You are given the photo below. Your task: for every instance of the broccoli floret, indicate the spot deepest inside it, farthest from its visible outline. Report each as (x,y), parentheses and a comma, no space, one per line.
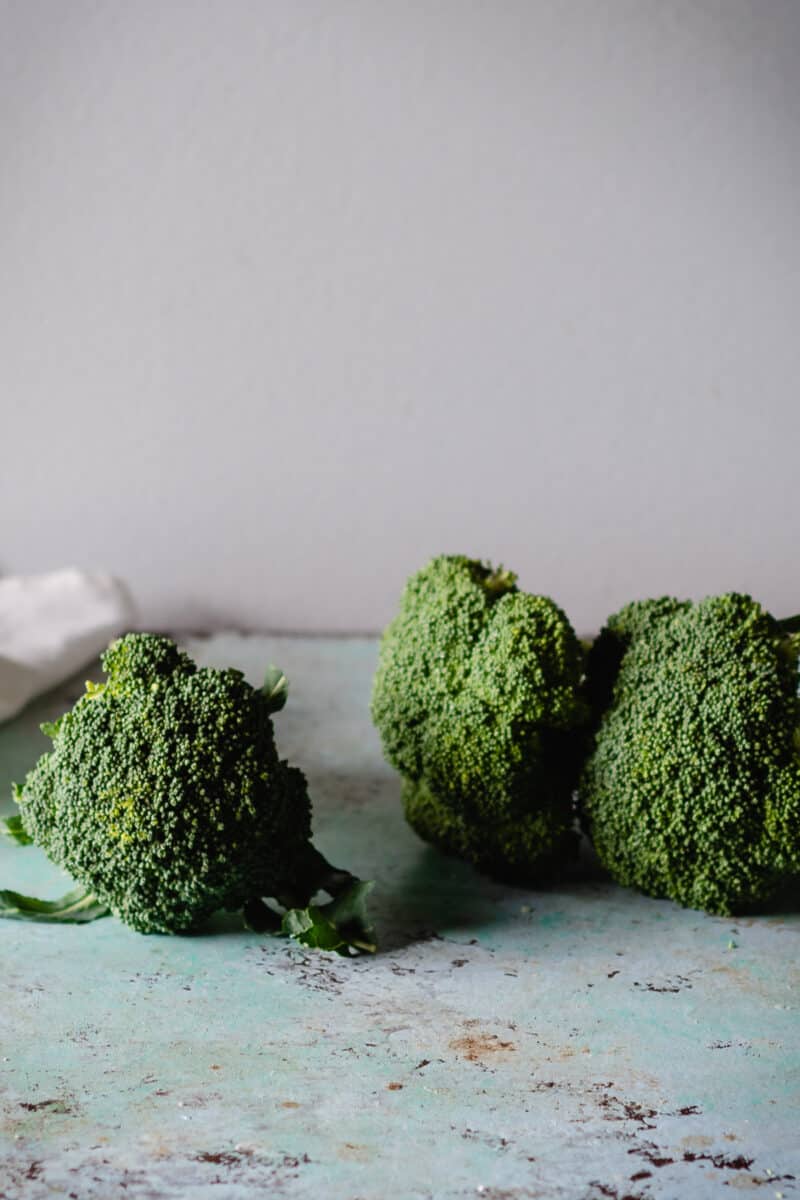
(165,798)
(692,788)
(476,698)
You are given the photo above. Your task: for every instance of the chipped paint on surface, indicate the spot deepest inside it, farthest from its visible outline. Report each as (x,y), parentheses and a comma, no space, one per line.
(580,1043)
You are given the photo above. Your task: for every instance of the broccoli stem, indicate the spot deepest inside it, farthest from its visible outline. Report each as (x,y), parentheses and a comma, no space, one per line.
(312,873)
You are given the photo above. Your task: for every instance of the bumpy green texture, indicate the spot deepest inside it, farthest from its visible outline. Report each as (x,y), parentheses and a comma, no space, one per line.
(476,698)
(164,794)
(692,789)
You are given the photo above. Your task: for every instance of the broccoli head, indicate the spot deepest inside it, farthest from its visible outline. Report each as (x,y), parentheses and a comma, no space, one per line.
(165,798)
(476,699)
(692,788)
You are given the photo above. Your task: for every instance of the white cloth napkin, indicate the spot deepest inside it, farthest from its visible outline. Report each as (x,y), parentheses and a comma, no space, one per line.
(53,624)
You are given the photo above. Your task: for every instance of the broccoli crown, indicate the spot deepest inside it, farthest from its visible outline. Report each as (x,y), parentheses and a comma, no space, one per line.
(692,789)
(164,793)
(476,698)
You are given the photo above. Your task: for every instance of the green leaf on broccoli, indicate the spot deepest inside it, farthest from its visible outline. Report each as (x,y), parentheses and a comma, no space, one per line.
(12,827)
(341,925)
(275,688)
(78,907)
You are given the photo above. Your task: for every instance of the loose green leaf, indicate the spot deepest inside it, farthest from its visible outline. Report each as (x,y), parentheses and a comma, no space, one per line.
(348,911)
(275,688)
(310,927)
(341,925)
(12,828)
(76,908)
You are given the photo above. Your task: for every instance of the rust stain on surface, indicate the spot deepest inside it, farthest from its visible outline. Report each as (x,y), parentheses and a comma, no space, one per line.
(355,1152)
(475,1047)
(697,1141)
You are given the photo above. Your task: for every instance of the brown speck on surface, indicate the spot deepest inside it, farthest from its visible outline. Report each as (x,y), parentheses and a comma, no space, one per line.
(611,974)
(354,1152)
(289,1104)
(740,1163)
(459,962)
(394,1087)
(615,1108)
(222,1159)
(42,1105)
(605,1189)
(215,1067)
(641,1175)
(475,1047)
(425,1062)
(651,1152)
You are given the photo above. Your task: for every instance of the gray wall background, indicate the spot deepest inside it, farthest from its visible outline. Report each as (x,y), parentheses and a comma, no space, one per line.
(294,294)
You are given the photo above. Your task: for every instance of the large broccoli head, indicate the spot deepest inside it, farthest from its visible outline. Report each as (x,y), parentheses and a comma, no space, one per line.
(164,795)
(693,787)
(476,700)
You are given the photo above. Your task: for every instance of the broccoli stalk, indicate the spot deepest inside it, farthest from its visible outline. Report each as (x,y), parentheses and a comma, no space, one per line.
(165,799)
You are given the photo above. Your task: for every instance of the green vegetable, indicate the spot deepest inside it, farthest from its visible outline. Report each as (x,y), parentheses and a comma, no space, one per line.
(476,699)
(692,787)
(165,798)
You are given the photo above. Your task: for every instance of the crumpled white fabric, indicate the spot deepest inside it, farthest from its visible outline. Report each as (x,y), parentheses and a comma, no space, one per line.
(53,624)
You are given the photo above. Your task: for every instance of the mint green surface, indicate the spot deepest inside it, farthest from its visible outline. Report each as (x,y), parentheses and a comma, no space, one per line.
(584,1042)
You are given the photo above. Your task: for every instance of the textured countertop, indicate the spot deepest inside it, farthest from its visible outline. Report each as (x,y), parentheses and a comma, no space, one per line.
(584,1042)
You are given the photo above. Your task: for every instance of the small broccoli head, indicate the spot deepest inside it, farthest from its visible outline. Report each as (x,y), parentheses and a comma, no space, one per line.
(692,789)
(164,794)
(476,698)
